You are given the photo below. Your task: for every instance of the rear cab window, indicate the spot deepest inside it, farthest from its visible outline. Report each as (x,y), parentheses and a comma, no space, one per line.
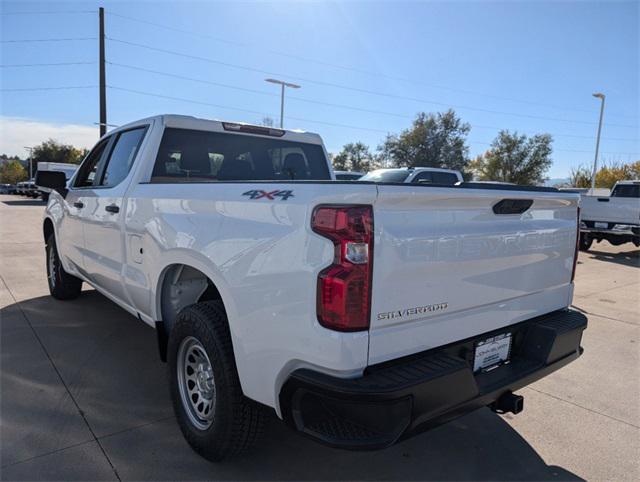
(626,190)
(187,155)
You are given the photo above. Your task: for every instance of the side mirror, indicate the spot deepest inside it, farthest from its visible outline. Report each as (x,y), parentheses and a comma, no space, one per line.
(54,180)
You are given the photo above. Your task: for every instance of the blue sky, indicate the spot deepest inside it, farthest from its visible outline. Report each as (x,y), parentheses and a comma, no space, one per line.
(525,66)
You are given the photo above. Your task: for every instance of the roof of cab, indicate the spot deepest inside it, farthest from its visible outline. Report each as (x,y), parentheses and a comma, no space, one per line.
(215,125)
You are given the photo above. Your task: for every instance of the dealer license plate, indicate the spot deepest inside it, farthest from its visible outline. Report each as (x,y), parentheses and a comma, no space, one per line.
(601,225)
(492,352)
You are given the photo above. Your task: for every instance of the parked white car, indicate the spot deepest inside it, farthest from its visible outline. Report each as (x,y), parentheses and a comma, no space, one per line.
(415,175)
(361,313)
(615,218)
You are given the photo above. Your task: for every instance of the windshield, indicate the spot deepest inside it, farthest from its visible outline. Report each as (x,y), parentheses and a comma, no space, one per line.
(386,175)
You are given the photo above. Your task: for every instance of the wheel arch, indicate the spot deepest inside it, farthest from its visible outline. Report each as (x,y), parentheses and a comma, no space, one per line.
(47,228)
(181,282)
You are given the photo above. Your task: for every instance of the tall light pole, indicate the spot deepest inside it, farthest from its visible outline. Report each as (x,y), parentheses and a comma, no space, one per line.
(282,84)
(595,161)
(30,149)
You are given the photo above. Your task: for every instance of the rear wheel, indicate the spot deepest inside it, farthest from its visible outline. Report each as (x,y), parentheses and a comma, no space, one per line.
(62,285)
(585,242)
(215,417)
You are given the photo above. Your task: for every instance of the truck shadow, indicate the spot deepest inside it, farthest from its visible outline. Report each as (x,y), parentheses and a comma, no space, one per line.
(626,258)
(108,360)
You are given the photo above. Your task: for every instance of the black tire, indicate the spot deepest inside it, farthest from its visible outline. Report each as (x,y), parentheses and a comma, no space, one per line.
(585,242)
(62,285)
(236,422)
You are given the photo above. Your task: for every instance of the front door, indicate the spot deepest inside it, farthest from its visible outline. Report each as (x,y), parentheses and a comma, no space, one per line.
(71,232)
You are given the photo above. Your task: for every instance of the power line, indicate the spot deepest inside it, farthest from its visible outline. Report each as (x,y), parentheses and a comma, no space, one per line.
(313,121)
(70,12)
(29,89)
(354,89)
(202,81)
(572,150)
(330,104)
(193,101)
(32,40)
(349,68)
(53,64)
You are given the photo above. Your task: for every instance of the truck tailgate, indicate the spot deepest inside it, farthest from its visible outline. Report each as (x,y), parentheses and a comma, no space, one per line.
(447,267)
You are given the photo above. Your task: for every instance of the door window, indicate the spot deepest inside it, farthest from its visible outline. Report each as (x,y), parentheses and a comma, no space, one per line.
(436,177)
(89,168)
(122,155)
(423,177)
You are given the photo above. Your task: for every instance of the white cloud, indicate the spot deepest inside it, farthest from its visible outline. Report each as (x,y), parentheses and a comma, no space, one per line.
(15,133)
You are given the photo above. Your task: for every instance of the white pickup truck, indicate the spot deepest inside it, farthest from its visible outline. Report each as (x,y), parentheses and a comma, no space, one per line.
(362,313)
(614,218)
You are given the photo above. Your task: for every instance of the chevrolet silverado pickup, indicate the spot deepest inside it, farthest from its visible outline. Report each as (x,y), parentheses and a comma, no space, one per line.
(614,218)
(362,313)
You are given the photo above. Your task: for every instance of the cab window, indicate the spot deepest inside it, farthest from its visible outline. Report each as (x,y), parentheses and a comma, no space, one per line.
(89,169)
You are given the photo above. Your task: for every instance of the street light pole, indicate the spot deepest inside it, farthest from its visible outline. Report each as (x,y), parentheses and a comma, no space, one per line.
(595,161)
(282,84)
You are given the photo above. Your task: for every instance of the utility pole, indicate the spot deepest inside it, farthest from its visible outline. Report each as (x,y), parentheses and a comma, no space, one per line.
(282,84)
(595,161)
(103,86)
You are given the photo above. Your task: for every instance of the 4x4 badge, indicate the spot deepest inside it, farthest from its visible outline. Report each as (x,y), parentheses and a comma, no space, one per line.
(271,196)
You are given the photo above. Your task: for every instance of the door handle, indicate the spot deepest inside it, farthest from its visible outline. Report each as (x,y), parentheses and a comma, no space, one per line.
(78,204)
(112,208)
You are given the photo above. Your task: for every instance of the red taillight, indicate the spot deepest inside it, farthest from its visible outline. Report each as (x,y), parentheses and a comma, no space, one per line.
(577,249)
(344,288)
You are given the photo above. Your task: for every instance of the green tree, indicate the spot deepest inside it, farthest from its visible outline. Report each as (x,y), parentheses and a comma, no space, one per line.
(580,177)
(606,176)
(53,151)
(433,140)
(12,172)
(515,158)
(354,157)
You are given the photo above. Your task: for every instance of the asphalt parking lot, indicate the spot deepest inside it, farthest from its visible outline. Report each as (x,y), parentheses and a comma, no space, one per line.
(83,395)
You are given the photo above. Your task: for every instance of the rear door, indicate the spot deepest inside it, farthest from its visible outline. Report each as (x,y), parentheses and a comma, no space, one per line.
(451,263)
(103,213)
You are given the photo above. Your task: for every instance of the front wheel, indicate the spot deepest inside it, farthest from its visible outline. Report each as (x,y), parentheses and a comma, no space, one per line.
(215,417)
(62,285)
(585,242)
